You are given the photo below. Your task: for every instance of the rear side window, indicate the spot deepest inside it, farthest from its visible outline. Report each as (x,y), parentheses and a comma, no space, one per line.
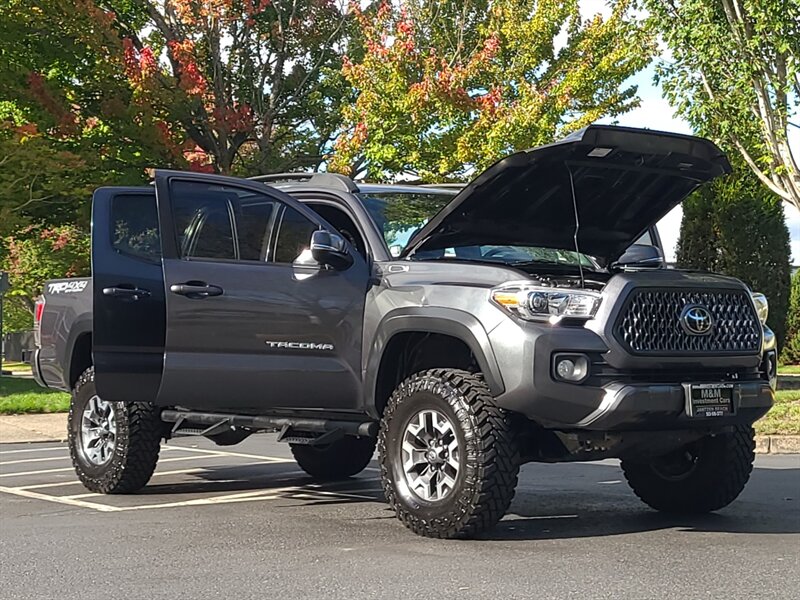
(294,236)
(134,228)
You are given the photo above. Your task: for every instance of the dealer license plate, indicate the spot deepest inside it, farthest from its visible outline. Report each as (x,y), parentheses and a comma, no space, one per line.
(709,399)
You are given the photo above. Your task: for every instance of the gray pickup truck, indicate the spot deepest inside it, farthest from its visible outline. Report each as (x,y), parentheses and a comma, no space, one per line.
(525,317)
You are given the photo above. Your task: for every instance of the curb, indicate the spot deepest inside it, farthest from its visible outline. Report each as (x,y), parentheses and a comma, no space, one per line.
(778,444)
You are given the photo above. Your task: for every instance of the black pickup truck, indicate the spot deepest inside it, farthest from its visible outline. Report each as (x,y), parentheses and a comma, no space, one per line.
(525,317)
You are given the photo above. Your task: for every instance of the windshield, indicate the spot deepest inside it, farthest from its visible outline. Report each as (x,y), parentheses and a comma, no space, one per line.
(401,214)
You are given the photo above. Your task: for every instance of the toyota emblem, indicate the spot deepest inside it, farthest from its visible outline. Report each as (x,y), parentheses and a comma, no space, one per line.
(696,320)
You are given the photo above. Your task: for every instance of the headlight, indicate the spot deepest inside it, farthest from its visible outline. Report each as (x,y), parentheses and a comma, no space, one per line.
(536,303)
(762,307)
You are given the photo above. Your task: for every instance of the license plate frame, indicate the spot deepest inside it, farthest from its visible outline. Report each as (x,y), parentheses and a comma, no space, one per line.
(710,400)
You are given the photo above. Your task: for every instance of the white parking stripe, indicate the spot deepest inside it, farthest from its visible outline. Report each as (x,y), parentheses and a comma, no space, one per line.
(57,499)
(226,453)
(39,486)
(30,460)
(51,448)
(67,469)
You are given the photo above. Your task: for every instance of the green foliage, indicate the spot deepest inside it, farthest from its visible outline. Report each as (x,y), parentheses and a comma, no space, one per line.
(38,253)
(734,74)
(791,349)
(41,180)
(447,87)
(736,227)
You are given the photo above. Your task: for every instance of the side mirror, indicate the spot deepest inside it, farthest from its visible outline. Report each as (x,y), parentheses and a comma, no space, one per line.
(643,256)
(330,249)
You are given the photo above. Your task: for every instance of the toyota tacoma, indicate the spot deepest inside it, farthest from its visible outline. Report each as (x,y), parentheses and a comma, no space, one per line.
(527,316)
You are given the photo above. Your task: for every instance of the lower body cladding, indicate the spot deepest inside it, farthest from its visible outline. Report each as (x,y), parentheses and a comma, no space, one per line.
(619,409)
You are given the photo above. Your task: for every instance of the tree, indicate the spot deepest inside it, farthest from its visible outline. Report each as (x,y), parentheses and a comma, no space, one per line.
(40,182)
(445,88)
(734,74)
(39,254)
(62,68)
(736,227)
(791,349)
(251,85)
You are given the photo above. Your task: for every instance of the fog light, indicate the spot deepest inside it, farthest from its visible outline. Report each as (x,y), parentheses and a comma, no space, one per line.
(571,367)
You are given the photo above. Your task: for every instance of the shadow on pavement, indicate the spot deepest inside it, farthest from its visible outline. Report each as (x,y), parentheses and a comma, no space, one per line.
(553,501)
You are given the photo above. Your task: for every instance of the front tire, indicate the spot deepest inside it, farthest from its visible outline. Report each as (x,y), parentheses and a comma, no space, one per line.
(448,456)
(343,458)
(114,445)
(702,477)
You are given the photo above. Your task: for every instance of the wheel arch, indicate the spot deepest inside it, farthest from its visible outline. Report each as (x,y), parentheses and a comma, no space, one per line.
(78,352)
(453,323)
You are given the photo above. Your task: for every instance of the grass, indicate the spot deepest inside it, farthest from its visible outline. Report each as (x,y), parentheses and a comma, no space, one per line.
(784,417)
(19,395)
(789,370)
(16,367)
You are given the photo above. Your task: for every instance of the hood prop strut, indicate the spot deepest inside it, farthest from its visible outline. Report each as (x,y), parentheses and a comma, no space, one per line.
(577,225)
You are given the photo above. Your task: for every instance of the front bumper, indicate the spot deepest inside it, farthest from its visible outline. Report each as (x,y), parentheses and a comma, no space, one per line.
(634,400)
(662,406)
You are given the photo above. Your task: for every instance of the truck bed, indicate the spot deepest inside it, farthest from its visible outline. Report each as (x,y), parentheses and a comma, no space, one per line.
(67,315)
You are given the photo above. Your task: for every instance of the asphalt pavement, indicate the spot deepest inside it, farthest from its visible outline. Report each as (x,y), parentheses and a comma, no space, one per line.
(243,522)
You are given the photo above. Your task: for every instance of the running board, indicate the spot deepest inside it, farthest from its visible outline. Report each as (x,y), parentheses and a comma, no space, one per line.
(302,438)
(212,421)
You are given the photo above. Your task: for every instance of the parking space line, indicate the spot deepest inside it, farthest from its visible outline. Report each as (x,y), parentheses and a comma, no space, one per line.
(67,469)
(59,500)
(30,460)
(50,448)
(39,486)
(227,453)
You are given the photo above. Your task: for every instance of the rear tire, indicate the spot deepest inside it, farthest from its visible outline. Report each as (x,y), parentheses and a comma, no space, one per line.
(114,445)
(702,477)
(449,458)
(343,458)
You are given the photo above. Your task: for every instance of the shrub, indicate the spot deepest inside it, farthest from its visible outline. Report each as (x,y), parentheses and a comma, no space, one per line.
(736,227)
(791,348)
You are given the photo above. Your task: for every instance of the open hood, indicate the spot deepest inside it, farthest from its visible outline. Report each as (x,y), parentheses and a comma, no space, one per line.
(624,180)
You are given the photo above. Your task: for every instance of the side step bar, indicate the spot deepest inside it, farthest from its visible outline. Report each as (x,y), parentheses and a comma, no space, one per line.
(359,428)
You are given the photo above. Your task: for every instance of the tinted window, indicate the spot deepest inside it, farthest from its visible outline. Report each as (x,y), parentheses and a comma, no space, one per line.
(221,222)
(294,235)
(253,225)
(135,226)
(212,233)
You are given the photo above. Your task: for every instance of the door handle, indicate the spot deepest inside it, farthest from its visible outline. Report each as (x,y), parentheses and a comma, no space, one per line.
(195,290)
(126,293)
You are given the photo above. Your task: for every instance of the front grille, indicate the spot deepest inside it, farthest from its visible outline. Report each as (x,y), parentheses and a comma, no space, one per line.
(649,322)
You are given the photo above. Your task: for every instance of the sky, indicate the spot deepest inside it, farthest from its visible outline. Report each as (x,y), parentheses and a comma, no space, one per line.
(656,113)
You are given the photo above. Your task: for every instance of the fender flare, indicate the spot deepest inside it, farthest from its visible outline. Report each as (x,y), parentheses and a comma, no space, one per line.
(447,321)
(80,327)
